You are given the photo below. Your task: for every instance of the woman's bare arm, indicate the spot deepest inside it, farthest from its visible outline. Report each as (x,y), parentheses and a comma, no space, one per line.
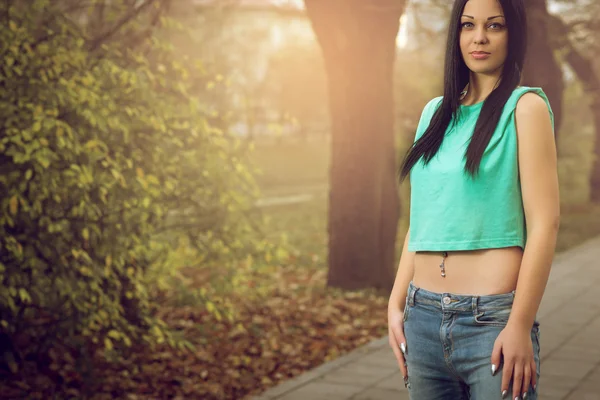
(539,186)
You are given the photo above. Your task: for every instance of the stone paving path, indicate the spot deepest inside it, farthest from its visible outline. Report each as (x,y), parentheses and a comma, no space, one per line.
(569,319)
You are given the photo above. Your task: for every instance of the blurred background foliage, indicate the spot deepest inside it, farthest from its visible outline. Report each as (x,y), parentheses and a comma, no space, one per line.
(157,155)
(110,162)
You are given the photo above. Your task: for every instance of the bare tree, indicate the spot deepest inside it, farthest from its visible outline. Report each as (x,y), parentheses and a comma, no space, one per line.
(358,41)
(541,66)
(577,34)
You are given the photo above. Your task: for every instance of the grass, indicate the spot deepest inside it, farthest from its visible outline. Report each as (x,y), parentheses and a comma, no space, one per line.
(291,164)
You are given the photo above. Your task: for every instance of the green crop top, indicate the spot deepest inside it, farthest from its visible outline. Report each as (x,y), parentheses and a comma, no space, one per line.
(451,211)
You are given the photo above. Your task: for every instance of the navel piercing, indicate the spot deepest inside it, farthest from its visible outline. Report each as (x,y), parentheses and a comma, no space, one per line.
(443,264)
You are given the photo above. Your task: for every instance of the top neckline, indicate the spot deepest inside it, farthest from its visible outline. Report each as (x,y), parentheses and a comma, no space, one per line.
(471,105)
(474,105)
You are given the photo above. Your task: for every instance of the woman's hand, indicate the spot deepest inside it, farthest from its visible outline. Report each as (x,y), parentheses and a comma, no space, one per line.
(396,337)
(514,345)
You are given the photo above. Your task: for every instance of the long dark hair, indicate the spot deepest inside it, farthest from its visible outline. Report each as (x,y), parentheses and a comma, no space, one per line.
(456,77)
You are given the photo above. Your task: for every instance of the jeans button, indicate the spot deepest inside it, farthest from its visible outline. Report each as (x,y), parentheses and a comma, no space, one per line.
(446,300)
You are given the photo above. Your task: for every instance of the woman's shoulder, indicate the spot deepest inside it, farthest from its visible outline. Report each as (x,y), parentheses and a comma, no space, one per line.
(434,102)
(526,96)
(527,100)
(520,91)
(432,105)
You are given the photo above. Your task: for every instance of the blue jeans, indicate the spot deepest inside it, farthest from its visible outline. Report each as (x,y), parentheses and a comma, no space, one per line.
(449,340)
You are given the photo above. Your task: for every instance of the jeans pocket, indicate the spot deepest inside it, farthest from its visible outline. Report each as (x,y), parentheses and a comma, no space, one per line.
(493,317)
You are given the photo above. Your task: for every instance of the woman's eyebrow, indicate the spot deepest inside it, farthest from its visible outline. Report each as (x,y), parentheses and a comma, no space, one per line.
(495,16)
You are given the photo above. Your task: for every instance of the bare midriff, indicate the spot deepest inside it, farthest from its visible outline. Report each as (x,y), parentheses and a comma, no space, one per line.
(473,272)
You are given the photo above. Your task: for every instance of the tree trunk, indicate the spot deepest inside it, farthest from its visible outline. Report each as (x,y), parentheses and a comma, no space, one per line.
(358,41)
(584,70)
(541,68)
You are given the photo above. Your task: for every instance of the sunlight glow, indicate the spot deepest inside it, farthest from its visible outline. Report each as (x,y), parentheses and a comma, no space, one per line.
(402,38)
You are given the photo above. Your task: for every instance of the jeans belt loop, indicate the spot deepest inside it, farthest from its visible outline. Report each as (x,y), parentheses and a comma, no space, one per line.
(474,304)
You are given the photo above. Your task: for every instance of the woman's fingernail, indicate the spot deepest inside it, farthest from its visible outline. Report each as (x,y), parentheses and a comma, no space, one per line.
(517,398)
(493,369)
(403,347)
(524,395)
(504,393)
(535,387)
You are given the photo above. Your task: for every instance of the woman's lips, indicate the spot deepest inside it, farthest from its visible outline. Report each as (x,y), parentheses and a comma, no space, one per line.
(480,55)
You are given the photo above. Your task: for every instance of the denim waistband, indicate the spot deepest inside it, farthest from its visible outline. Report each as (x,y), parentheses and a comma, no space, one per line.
(458,302)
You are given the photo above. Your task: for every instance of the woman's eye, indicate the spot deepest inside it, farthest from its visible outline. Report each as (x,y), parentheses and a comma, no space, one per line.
(496,25)
(466,25)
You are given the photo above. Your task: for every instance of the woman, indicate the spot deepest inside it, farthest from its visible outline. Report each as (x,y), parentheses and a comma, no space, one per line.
(483,222)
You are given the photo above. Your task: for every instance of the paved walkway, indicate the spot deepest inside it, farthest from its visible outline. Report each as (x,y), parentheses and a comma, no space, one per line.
(569,334)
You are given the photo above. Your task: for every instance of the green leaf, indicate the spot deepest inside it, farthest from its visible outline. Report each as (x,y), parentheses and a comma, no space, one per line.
(24,295)
(114,334)
(14,205)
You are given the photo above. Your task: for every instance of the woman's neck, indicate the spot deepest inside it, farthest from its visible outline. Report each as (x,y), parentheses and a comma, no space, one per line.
(480,87)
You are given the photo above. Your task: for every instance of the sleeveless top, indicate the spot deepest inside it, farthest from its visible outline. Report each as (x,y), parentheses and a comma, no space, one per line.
(450,210)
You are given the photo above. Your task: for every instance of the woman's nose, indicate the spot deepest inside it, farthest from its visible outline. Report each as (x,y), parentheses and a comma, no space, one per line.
(480,36)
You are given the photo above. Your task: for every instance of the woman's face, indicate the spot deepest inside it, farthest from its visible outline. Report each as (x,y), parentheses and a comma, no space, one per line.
(483,36)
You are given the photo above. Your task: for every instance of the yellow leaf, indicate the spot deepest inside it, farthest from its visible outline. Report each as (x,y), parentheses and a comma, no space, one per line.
(108,260)
(14,205)
(114,334)
(103,315)
(139,172)
(85,233)
(24,295)
(210,307)
(108,344)
(12,26)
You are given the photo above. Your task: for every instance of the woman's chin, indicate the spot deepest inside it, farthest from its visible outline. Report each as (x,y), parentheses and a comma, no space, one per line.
(484,69)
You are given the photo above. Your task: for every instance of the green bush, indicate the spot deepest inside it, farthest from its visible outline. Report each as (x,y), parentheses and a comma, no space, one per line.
(107,159)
